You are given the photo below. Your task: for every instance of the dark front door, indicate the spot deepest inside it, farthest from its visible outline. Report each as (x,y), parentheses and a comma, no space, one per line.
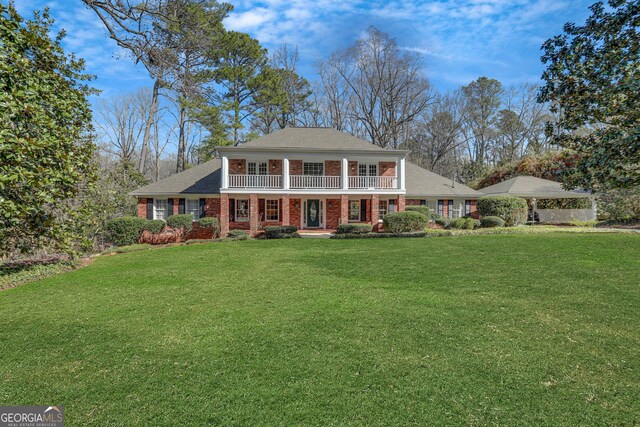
(313,213)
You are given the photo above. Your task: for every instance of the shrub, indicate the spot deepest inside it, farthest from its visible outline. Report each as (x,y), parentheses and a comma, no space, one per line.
(579,223)
(154,226)
(458,223)
(404,222)
(237,235)
(211,223)
(354,228)
(491,221)
(476,223)
(125,230)
(513,210)
(281,232)
(620,205)
(442,221)
(182,222)
(469,224)
(377,235)
(424,210)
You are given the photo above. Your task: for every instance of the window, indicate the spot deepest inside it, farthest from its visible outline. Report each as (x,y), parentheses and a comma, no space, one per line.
(392,206)
(365,169)
(257,168)
(313,168)
(160,209)
(242,210)
(354,210)
(193,208)
(272,210)
(382,208)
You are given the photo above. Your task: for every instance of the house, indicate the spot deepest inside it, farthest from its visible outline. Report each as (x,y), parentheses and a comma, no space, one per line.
(313,178)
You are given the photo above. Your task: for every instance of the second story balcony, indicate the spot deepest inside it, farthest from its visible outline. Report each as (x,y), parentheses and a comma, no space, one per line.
(299,182)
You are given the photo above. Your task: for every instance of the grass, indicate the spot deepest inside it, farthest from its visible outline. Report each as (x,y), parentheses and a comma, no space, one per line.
(471,330)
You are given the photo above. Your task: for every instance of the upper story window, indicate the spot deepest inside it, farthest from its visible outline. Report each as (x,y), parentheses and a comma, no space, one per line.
(256,168)
(160,209)
(193,208)
(313,168)
(367,169)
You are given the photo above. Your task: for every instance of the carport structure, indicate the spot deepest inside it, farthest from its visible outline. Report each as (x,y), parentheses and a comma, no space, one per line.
(534,189)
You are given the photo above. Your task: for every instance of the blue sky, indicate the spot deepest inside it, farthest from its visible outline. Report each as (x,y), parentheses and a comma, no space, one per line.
(459,40)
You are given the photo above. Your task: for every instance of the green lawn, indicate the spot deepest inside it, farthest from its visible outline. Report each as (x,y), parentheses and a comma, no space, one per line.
(469,330)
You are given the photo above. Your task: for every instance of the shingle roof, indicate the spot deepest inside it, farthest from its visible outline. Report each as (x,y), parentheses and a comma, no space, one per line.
(201,179)
(530,186)
(308,138)
(423,183)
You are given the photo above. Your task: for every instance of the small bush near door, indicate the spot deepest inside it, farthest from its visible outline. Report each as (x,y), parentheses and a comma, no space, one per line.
(404,222)
(512,209)
(212,224)
(491,222)
(126,230)
(424,210)
(154,226)
(182,222)
(354,228)
(237,235)
(281,232)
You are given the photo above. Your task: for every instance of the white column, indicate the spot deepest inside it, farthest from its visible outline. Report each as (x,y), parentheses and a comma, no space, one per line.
(344,172)
(285,173)
(401,175)
(225,172)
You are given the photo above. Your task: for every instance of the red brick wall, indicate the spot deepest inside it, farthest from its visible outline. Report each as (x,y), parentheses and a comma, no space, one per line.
(375,199)
(445,208)
(295,167)
(224,214)
(332,167)
(142,207)
(295,206)
(237,166)
(333,213)
(275,167)
(353,168)
(212,207)
(413,202)
(344,209)
(387,168)
(401,203)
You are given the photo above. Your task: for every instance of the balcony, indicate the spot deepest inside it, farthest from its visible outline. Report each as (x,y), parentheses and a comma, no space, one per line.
(314,181)
(373,182)
(255,181)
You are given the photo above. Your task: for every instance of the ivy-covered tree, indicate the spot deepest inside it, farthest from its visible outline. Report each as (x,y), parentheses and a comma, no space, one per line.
(46,149)
(593,81)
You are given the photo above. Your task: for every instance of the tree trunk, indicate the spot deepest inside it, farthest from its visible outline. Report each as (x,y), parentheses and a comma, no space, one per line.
(150,121)
(181,139)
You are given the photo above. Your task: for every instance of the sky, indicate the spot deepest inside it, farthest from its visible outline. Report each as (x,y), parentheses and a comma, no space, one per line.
(458,40)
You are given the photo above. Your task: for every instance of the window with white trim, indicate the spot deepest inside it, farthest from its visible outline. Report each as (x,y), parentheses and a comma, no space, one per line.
(242,210)
(256,168)
(354,210)
(272,210)
(367,169)
(160,209)
(192,207)
(309,168)
(383,207)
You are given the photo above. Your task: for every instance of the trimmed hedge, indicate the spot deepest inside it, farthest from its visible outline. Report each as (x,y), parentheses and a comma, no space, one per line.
(513,210)
(354,228)
(281,232)
(237,235)
(424,210)
(443,222)
(377,235)
(458,223)
(211,223)
(476,223)
(154,226)
(491,222)
(182,222)
(404,222)
(126,230)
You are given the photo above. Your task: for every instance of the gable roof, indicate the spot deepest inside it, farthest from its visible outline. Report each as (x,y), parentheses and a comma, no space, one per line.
(421,183)
(309,138)
(530,186)
(201,179)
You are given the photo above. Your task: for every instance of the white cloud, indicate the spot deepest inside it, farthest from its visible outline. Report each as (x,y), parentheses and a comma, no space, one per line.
(249,20)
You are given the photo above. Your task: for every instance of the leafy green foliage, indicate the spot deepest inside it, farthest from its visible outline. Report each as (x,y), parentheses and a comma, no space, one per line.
(620,205)
(211,223)
(45,138)
(512,209)
(281,232)
(458,223)
(237,235)
(424,210)
(593,79)
(126,230)
(442,221)
(154,226)
(404,222)
(183,222)
(491,222)
(354,228)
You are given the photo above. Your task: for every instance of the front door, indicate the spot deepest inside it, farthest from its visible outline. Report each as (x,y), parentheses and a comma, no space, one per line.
(313,213)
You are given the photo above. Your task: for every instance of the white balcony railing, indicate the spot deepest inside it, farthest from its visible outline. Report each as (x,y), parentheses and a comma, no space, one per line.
(378,182)
(255,181)
(314,181)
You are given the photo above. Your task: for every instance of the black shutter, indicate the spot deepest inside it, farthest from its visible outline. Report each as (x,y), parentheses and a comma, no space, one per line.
(467,207)
(203,212)
(450,210)
(261,210)
(391,206)
(423,202)
(149,208)
(441,207)
(181,207)
(232,210)
(280,209)
(363,210)
(169,207)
